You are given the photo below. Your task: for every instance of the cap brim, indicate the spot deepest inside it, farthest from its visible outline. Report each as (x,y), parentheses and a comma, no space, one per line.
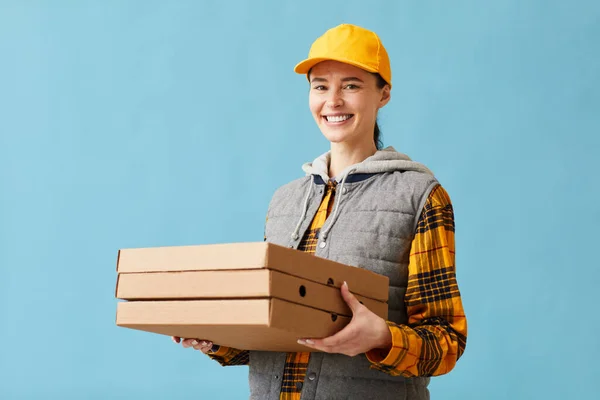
(306,65)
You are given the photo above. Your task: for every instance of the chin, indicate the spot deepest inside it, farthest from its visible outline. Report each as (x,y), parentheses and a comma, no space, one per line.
(335,137)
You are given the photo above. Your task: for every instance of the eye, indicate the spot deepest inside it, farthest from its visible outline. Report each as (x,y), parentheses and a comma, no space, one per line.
(351,86)
(319,87)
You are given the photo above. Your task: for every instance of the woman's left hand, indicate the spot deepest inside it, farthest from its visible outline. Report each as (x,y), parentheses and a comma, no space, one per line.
(365,331)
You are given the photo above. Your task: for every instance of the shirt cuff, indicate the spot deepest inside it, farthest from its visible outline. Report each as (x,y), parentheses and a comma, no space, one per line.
(388,357)
(217,350)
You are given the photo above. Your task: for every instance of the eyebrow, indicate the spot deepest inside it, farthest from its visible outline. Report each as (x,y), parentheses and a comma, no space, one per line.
(351,78)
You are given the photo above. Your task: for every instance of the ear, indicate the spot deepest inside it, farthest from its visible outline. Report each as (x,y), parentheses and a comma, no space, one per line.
(386,95)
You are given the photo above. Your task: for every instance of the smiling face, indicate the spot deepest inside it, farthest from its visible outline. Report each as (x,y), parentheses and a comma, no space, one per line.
(344,101)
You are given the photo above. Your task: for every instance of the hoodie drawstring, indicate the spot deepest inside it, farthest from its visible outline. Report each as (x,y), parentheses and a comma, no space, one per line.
(325,231)
(305,208)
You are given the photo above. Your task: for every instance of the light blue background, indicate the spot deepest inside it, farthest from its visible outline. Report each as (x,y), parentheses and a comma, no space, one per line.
(147,123)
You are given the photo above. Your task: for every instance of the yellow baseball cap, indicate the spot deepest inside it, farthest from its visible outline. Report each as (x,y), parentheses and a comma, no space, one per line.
(352,45)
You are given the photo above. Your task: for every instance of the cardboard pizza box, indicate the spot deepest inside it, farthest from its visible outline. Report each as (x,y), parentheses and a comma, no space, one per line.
(238,284)
(247,256)
(255,324)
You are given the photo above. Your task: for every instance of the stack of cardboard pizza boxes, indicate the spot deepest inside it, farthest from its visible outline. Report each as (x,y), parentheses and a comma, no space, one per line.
(253,296)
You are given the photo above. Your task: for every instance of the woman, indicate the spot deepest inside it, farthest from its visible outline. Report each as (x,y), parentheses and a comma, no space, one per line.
(372,208)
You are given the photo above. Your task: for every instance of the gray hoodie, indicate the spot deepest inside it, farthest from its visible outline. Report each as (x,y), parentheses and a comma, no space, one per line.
(385,160)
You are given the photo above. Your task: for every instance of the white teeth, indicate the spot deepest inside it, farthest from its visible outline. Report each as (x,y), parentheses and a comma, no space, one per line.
(337,118)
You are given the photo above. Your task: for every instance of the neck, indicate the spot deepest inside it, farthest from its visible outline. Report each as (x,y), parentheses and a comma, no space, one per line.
(343,155)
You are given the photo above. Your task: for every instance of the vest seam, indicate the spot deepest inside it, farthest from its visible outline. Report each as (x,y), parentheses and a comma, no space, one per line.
(422,202)
(381,234)
(377,259)
(378,211)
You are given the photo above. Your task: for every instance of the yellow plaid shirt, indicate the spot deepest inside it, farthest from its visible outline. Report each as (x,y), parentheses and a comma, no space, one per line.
(436,334)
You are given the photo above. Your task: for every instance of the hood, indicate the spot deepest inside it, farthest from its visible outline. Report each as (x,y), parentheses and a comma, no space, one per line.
(386,160)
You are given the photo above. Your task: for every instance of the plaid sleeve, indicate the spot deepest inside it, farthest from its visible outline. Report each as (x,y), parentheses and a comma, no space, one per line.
(436,334)
(228,356)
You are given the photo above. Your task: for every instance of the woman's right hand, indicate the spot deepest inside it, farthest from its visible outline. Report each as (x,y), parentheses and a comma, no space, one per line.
(197,344)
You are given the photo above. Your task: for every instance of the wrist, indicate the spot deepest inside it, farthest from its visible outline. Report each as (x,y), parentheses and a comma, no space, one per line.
(385,340)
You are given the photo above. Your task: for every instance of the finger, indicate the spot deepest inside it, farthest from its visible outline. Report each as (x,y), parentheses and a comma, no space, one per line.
(339,339)
(350,299)
(204,349)
(202,344)
(308,343)
(332,341)
(318,345)
(176,339)
(190,342)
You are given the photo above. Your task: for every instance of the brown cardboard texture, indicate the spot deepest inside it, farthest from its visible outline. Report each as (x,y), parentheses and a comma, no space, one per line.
(257,324)
(236,284)
(260,255)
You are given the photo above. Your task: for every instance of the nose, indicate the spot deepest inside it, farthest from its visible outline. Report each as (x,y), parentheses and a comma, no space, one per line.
(335,99)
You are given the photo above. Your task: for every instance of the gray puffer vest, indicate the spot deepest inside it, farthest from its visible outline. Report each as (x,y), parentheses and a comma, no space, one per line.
(376,209)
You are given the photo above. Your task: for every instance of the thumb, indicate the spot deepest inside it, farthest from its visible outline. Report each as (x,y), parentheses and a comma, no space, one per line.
(350,299)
